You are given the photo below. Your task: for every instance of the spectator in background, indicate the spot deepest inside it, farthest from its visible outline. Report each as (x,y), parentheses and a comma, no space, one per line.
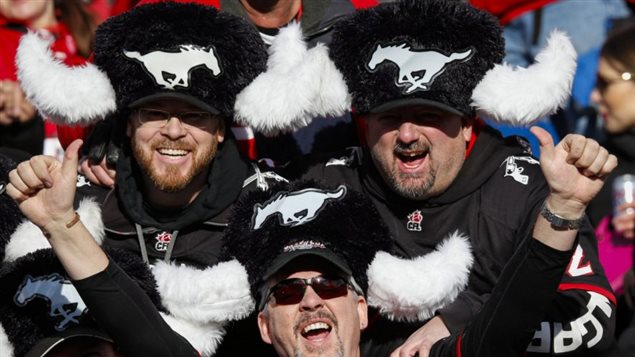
(527,23)
(71,27)
(615,97)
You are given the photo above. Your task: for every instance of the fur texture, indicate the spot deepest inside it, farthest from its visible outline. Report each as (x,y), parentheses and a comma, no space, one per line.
(205,338)
(26,325)
(6,349)
(28,238)
(352,216)
(522,96)
(221,292)
(11,215)
(166,26)
(299,84)
(441,26)
(67,95)
(413,289)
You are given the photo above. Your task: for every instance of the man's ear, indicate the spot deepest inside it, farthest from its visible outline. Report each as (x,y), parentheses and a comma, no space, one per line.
(129,128)
(467,126)
(362,310)
(263,326)
(220,133)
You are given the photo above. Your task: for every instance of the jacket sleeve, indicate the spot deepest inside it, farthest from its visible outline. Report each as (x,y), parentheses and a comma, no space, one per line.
(128,316)
(504,326)
(581,320)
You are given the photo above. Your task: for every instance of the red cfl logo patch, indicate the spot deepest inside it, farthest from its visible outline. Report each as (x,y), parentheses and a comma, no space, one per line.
(163,240)
(414,221)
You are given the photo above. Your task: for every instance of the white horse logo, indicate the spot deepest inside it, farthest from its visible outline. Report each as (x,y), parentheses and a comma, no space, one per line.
(295,208)
(411,63)
(63,299)
(171,69)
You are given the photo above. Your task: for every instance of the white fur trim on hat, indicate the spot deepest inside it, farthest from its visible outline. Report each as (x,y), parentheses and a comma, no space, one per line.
(28,238)
(521,96)
(414,289)
(299,85)
(6,348)
(216,294)
(205,338)
(67,95)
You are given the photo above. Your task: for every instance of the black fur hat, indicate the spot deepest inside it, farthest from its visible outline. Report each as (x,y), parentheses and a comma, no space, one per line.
(188,51)
(11,215)
(179,49)
(39,307)
(431,52)
(269,229)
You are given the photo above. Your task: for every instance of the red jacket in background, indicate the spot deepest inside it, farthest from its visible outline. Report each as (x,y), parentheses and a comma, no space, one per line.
(507,10)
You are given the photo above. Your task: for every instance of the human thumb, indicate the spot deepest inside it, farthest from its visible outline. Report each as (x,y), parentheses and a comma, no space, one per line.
(71,157)
(545,140)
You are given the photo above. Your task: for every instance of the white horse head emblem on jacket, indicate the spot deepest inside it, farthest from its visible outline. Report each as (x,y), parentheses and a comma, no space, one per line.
(417,69)
(171,69)
(295,208)
(64,300)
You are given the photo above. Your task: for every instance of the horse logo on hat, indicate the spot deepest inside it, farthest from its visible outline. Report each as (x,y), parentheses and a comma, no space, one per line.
(412,63)
(63,298)
(171,69)
(295,208)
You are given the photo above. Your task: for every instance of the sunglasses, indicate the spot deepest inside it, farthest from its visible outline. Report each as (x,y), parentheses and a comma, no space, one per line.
(291,291)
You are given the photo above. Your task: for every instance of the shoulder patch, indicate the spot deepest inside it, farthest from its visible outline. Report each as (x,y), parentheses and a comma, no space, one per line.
(354,154)
(516,172)
(82,181)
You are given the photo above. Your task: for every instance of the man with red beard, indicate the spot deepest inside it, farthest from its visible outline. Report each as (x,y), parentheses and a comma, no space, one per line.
(168,74)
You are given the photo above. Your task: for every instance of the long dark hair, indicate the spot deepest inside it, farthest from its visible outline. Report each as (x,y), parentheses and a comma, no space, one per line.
(619,47)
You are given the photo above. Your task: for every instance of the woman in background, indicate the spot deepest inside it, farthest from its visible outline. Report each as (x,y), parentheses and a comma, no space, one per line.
(615,97)
(22,131)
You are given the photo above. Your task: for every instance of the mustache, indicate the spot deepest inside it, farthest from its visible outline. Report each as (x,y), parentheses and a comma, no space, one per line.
(401,147)
(170,144)
(321,315)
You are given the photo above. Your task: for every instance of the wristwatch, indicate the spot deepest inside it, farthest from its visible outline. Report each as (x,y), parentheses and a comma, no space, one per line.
(560,223)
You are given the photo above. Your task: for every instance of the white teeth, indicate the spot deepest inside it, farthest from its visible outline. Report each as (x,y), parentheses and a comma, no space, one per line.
(172,152)
(316,326)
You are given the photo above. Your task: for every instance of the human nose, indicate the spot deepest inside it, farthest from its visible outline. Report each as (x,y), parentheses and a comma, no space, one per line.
(407,132)
(173,128)
(311,300)
(596,96)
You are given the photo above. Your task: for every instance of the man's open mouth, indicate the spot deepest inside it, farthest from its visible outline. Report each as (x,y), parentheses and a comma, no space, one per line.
(317,330)
(172,152)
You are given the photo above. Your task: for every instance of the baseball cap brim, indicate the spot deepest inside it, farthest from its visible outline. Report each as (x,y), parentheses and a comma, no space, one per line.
(326,254)
(407,102)
(175,95)
(45,345)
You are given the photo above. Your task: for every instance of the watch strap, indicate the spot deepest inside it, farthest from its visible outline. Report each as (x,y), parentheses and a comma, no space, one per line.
(558,222)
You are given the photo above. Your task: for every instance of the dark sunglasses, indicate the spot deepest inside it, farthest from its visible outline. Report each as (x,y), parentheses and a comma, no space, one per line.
(291,291)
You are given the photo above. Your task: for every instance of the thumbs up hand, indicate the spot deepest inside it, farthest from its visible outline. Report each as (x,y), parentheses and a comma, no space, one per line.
(575,170)
(44,188)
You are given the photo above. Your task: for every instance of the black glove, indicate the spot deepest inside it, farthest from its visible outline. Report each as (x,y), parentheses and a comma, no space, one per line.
(105,141)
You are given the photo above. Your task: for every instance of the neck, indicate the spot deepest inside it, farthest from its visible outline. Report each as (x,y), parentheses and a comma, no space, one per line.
(46,19)
(271,13)
(174,200)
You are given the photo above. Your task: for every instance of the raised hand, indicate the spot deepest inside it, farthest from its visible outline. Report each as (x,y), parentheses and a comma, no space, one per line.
(14,107)
(44,188)
(575,171)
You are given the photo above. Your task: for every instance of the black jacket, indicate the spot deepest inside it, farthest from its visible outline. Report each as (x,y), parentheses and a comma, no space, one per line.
(495,200)
(196,230)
